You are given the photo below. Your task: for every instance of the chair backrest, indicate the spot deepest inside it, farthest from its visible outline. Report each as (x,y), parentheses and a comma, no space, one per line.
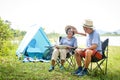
(60,38)
(105,46)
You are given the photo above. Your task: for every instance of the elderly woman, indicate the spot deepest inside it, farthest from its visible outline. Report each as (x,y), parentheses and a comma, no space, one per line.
(69,41)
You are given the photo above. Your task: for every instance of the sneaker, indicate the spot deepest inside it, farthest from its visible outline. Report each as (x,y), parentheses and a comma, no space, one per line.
(82,73)
(62,68)
(77,71)
(51,68)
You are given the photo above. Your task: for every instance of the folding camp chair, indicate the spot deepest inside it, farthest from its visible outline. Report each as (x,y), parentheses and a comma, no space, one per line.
(104,58)
(70,61)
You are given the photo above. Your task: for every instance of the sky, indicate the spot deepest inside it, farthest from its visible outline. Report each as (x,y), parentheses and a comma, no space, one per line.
(54,15)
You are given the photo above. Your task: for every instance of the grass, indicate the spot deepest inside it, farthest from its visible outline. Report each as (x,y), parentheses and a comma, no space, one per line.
(13,69)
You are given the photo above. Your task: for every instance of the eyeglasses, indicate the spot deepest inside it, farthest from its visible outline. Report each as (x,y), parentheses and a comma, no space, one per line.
(70,31)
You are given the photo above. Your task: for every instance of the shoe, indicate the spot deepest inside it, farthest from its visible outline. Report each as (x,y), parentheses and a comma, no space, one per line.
(62,68)
(77,71)
(51,68)
(82,73)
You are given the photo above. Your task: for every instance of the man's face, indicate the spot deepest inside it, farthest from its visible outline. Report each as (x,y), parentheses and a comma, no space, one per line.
(87,30)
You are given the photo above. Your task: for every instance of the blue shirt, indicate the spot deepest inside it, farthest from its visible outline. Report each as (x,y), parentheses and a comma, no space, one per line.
(70,42)
(94,38)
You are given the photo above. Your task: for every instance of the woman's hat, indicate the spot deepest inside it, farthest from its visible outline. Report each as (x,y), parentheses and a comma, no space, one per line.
(88,23)
(70,27)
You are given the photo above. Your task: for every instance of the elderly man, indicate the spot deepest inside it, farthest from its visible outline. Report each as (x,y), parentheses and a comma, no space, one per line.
(93,48)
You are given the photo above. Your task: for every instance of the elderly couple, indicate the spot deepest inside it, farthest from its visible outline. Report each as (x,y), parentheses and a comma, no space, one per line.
(93,46)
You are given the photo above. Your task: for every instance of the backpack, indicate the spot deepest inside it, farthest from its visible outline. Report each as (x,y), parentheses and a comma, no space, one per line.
(47,54)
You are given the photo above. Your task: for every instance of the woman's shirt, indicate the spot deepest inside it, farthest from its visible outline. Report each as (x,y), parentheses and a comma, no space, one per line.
(70,42)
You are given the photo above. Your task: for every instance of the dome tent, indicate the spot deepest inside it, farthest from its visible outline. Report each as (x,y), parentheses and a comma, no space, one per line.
(33,44)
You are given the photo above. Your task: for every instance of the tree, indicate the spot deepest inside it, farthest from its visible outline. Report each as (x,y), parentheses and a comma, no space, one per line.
(5,34)
(5,30)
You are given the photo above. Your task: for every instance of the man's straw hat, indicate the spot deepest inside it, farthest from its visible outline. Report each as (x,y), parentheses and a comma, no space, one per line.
(88,23)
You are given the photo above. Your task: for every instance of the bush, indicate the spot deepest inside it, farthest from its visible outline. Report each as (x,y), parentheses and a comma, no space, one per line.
(7,48)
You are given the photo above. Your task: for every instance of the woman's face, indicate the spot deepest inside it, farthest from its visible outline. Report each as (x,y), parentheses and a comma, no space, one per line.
(70,33)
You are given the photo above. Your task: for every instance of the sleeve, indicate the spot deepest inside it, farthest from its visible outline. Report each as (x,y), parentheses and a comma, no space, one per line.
(75,42)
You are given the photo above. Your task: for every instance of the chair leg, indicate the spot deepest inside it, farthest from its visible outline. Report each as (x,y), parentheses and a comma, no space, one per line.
(71,63)
(58,62)
(91,66)
(106,66)
(99,66)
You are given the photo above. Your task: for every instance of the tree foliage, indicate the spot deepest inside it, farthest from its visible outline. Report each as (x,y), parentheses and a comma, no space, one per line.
(5,30)
(6,35)
(18,34)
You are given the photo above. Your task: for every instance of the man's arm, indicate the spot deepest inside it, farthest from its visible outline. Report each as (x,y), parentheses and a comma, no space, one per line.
(93,46)
(81,33)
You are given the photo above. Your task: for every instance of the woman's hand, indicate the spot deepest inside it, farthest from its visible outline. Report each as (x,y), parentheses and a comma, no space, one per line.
(56,47)
(69,47)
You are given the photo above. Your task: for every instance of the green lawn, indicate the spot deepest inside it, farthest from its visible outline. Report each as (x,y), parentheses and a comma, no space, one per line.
(13,69)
